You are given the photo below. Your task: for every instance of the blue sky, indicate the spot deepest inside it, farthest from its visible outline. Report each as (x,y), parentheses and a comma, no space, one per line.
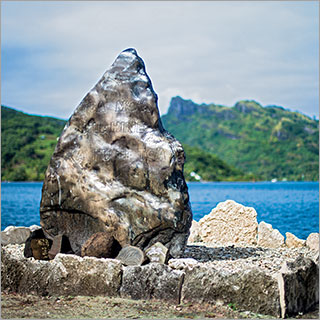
(54,52)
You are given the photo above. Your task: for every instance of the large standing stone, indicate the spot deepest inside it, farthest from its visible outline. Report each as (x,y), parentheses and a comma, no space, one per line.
(229,223)
(116,169)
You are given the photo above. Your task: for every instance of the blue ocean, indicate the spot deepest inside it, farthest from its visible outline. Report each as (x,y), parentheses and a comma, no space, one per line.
(288,206)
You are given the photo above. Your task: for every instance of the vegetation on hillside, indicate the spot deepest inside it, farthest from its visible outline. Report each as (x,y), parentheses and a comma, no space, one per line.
(268,142)
(245,142)
(27,144)
(210,168)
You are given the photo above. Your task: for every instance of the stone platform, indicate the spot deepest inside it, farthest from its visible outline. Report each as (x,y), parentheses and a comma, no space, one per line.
(277,282)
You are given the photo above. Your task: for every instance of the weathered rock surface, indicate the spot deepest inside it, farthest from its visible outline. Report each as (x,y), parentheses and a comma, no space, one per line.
(250,277)
(183,263)
(269,237)
(229,223)
(99,245)
(294,242)
(152,281)
(312,241)
(66,274)
(298,286)
(206,283)
(40,249)
(115,169)
(12,235)
(279,282)
(194,232)
(88,275)
(157,253)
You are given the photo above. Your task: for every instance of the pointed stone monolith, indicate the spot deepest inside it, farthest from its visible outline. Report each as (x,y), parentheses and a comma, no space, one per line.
(115,169)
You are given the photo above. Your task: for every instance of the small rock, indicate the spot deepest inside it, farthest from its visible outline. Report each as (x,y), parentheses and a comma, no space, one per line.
(182,264)
(131,256)
(312,241)
(36,234)
(14,235)
(40,249)
(34,227)
(294,242)
(98,245)
(269,237)
(157,253)
(194,232)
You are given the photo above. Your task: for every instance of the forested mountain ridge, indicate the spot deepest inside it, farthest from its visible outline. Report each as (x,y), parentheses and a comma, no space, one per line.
(28,142)
(269,142)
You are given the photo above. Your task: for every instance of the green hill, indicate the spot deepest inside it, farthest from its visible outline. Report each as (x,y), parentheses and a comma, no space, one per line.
(28,142)
(269,142)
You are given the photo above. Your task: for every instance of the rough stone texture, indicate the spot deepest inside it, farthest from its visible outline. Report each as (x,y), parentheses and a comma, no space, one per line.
(157,253)
(229,223)
(14,235)
(251,278)
(116,169)
(24,275)
(40,249)
(298,286)
(98,245)
(294,242)
(312,241)
(183,263)
(279,282)
(152,281)
(65,275)
(37,234)
(194,232)
(90,276)
(269,237)
(252,289)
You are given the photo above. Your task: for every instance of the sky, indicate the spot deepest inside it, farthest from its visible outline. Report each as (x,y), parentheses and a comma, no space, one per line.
(53,53)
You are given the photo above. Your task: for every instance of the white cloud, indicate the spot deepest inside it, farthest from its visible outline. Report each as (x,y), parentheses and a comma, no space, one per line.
(206,51)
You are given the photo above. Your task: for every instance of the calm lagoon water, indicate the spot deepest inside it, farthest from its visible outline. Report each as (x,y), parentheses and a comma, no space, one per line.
(288,206)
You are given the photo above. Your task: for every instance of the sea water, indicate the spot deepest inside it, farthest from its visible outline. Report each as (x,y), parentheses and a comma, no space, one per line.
(288,206)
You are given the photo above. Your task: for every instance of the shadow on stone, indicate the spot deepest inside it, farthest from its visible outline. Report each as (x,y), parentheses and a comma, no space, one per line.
(205,254)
